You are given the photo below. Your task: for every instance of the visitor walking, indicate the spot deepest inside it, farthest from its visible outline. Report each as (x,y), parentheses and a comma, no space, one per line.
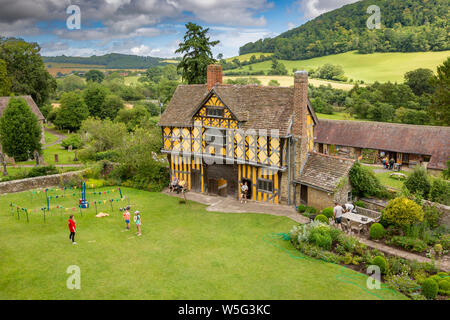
(72,229)
(337,213)
(244,190)
(391,163)
(126,216)
(137,219)
(348,207)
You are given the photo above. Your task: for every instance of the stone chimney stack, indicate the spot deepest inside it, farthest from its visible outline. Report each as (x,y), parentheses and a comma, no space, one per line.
(300,103)
(213,75)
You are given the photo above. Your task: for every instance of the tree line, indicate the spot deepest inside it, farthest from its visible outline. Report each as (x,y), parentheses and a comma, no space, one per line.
(407,26)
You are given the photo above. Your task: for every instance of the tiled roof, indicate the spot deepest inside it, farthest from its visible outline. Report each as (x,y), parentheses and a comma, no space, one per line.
(325,171)
(257,107)
(5,100)
(405,138)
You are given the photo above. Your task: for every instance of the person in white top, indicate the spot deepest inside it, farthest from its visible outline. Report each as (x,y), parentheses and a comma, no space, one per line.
(349,207)
(337,213)
(244,190)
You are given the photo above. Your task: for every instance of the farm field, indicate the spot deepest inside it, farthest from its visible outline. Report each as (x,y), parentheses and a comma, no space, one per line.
(373,67)
(287,81)
(54,67)
(226,256)
(246,57)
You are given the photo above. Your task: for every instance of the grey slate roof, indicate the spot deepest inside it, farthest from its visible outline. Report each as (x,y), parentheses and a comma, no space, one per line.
(325,171)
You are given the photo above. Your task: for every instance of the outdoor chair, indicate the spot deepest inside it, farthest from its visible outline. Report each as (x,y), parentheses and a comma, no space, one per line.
(357,227)
(345,225)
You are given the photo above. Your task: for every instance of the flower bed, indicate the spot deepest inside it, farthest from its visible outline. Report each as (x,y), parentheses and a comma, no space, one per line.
(321,241)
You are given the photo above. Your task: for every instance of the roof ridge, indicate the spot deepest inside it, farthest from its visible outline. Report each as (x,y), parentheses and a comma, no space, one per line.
(385,123)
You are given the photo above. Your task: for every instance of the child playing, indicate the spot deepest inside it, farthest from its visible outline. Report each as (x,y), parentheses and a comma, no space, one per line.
(137,219)
(72,229)
(126,216)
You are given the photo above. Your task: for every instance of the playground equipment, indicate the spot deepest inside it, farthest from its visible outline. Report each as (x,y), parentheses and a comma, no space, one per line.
(84,204)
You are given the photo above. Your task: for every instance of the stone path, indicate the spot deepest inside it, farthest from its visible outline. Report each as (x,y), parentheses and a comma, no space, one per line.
(60,136)
(230,205)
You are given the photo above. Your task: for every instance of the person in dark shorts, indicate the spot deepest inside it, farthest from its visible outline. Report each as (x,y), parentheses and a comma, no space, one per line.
(337,213)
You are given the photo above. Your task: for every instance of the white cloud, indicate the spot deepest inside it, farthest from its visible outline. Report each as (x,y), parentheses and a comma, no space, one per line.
(314,8)
(291,25)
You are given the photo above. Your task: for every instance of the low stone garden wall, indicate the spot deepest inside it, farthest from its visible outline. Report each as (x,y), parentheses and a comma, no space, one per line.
(38,182)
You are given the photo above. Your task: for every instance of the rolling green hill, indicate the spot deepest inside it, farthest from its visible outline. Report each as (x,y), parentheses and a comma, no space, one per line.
(382,67)
(406,26)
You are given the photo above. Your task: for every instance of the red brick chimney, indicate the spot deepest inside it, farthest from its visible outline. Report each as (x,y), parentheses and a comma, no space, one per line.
(213,75)
(300,103)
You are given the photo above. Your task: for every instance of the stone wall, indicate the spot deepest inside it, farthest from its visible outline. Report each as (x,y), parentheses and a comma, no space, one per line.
(38,182)
(320,199)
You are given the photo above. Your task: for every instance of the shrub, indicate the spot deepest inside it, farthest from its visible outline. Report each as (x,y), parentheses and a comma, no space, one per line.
(110,155)
(364,182)
(322,218)
(440,192)
(418,182)
(360,204)
(311,210)
(403,283)
(432,216)
(328,212)
(403,212)
(380,262)
(42,171)
(444,287)
(376,231)
(408,243)
(73,140)
(429,289)
(301,208)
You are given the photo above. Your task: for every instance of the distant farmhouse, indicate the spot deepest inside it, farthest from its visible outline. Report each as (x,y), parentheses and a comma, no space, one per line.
(409,145)
(29,100)
(218,137)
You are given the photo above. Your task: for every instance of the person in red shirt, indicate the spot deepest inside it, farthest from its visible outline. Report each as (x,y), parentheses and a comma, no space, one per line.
(72,229)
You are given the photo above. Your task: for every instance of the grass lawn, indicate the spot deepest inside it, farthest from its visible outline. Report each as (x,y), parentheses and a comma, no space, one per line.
(391,182)
(50,138)
(373,67)
(336,116)
(185,252)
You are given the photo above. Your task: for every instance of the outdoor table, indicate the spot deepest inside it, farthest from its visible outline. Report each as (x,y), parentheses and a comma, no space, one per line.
(358,218)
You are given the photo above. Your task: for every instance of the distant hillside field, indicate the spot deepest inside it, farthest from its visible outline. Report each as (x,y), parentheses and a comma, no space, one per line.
(382,67)
(287,81)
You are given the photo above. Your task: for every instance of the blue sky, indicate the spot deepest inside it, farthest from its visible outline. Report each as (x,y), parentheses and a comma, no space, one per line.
(152,27)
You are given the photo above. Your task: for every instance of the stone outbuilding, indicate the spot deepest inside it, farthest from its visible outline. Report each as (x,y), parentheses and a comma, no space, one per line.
(324,180)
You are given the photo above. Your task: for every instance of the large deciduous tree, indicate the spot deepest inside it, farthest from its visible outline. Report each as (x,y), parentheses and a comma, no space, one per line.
(95,76)
(440,107)
(26,69)
(20,131)
(72,112)
(196,48)
(419,81)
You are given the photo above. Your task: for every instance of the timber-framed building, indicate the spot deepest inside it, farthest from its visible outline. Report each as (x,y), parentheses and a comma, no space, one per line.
(218,136)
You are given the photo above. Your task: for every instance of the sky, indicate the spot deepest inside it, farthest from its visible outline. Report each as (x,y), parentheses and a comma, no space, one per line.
(151,27)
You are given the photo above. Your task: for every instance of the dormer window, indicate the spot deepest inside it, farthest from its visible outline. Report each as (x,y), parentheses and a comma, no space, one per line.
(214,112)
